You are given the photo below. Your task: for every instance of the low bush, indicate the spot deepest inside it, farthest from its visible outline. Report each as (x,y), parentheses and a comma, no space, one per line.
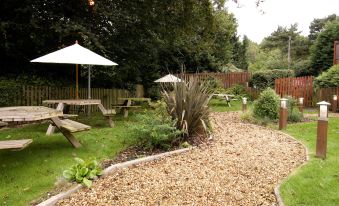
(238,90)
(8,92)
(157,129)
(267,105)
(83,172)
(189,105)
(265,78)
(214,85)
(294,115)
(329,78)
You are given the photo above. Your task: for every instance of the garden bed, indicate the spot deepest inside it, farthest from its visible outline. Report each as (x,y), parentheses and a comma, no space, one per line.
(240,167)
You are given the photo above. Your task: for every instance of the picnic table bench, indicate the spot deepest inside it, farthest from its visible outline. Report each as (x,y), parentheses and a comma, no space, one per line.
(108,114)
(37,113)
(227,97)
(128,103)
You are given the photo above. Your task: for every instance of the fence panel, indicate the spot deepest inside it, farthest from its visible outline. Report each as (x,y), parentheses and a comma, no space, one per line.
(34,95)
(326,94)
(296,87)
(227,80)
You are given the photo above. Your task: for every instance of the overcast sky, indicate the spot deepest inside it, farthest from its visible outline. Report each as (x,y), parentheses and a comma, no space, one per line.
(256,25)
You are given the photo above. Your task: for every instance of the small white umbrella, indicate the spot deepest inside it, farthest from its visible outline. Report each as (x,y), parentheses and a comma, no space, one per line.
(169,78)
(76,54)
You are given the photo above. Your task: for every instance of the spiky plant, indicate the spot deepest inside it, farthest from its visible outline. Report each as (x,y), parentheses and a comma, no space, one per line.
(187,103)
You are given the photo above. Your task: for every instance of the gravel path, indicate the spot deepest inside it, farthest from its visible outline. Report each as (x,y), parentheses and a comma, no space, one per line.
(241,167)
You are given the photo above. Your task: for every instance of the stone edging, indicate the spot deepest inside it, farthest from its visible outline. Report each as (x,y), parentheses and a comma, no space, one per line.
(54,199)
(277,188)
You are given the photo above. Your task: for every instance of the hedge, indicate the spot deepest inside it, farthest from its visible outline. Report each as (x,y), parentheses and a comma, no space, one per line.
(265,78)
(329,78)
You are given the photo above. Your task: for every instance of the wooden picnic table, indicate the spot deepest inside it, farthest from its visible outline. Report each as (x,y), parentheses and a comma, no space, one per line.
(37,113)
(80,102)
(128,103)
(227,97)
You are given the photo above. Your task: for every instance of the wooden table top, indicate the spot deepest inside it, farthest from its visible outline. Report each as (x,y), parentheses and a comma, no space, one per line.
(27,113)
(74,101)
(135,98)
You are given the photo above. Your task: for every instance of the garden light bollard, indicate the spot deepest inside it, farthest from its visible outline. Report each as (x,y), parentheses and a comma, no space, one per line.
(244,104)
(322,129)
(334,103)
(301,105)
(283,114)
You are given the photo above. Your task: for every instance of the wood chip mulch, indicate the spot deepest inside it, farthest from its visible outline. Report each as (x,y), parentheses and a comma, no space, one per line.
(240,167)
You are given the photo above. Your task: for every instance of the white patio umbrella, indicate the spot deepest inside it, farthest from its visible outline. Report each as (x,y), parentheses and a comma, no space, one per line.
(76,54)
(169,78)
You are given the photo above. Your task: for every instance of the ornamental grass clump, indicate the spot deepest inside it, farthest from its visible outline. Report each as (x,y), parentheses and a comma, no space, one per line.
(267,105)
(188,103)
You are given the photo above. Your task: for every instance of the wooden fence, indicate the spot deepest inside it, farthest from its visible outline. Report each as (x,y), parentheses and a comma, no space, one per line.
(227,80)
(34,95)
(326,94)
(296,87)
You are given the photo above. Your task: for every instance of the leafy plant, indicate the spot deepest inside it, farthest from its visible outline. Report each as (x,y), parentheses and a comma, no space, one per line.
(237,90)
(188,103)
(267,105)
(330,78)
(83,171)
(294,115)
(156,130)
(264,79)
(8,92)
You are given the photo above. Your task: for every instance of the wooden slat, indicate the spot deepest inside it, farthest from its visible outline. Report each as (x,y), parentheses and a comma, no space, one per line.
(73,126)
(15,144)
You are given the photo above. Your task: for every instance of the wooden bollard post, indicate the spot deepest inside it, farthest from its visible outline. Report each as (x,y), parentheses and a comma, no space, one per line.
(334,103)
(283,114)
(244,104)
(322,128)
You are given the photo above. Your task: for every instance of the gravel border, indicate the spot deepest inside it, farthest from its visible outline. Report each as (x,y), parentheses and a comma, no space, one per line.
(54,199)
(277,188)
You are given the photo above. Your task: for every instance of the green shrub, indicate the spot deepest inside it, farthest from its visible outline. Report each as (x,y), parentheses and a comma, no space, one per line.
(238,90)
(83,172)
(214,85)
(8,92)
(189,104)
(265,78)
(157,129)
(329,78)
(294,115)
(267,105)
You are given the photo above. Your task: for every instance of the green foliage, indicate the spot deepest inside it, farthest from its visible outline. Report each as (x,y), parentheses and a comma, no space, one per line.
(237,90)
(267,105)
(185,145)
(329,78)
(83,171)
(322,50)
(294,115)
(317,25)
(214,85)
(8,92)
(240,59)
(268,59)
(156,129)
(189,105)
(264,79)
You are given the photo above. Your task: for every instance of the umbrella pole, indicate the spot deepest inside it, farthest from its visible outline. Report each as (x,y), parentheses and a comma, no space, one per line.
(77,82)
(89,89)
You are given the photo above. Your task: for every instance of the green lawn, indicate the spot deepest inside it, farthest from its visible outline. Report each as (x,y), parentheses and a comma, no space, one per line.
(218,105)
(316,183)
(28,174)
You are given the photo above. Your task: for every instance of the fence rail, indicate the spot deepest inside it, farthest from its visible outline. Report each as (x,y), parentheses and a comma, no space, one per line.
(34,95)
(326,94)
(227,80)
(296,87)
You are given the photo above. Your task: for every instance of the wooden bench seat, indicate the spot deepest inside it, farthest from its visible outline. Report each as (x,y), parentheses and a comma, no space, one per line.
(73,126)
(3,124)
(66,116)
(15,144)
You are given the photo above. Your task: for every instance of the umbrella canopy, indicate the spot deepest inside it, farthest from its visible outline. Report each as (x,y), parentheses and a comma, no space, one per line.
(169,78)
(76,54)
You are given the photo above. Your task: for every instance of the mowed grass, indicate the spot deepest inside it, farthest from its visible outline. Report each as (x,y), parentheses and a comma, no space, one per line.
(316,183)
(219,105)
(30,173)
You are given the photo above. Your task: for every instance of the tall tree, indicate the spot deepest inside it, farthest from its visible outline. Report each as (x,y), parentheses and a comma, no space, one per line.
(317,26)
